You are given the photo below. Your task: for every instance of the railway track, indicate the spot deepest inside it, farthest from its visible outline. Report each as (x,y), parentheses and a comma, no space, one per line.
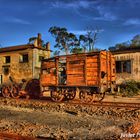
(109,104)
(6,136)
(102,103)
(45,101)
(119,104)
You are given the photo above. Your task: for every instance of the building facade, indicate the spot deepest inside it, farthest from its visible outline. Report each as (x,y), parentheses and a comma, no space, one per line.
(22,61)
(127,64)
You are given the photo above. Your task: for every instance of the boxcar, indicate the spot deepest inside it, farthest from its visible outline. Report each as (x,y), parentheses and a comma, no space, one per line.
(88,74)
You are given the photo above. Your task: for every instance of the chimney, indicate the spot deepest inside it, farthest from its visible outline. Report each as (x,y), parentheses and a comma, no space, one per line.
(48,45)
(39,40)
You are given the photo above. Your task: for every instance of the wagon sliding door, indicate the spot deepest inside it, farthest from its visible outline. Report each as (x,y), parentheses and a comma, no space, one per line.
(76,70)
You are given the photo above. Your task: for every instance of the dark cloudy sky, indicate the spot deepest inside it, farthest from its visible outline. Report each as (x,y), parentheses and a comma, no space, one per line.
(119,20)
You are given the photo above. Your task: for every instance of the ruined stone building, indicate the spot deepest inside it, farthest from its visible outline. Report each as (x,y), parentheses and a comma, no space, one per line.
(127,64)
(22,61)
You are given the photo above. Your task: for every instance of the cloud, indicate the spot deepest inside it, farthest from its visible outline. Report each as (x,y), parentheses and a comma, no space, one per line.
(78,32)
(105,14)
(71,4)
(132,21)
(96,8)
(17,20)
(84,32)
(106,17)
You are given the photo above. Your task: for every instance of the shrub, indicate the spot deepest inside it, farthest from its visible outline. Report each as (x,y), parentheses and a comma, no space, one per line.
(130,88)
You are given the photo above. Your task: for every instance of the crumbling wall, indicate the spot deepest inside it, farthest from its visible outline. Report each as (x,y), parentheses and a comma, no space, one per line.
(135,67)
(17,70)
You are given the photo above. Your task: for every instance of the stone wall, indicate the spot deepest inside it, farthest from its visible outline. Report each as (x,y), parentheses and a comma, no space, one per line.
(135,66)
(36,62)
(22,70)
(17,70)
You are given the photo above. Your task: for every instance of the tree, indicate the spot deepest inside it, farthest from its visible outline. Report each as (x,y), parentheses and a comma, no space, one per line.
(94,38)
(119,46)
(77,50)
(136,41)
(88,41)
(83,41)
(56,53)
(31,40)
(64,40)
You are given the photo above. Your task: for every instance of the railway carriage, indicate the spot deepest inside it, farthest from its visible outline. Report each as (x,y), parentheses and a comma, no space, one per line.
(90,75)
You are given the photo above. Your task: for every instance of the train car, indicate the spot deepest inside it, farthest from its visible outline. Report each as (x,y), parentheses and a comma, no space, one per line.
(89,74)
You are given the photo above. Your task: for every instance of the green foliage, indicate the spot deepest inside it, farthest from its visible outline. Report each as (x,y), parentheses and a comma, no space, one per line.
(32,39)
(70,42)
(135,42)
(56,53)
(87,41)
(77,50)
(120,46)
(83,40)
(130,88)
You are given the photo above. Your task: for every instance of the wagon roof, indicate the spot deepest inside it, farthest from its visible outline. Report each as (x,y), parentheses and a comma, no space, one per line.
(79,54)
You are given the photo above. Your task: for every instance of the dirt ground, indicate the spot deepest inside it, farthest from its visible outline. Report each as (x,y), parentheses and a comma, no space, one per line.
(63,121)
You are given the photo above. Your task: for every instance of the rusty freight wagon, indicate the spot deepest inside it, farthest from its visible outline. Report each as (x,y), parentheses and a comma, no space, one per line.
(89,74)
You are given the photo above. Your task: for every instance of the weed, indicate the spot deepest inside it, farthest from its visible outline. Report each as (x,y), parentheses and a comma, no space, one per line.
(130,88)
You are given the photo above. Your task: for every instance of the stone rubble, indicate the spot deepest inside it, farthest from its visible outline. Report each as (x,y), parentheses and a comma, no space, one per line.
(64,121)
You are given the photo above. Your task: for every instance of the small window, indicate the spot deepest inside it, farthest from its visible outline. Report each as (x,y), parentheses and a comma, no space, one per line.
(6,70)
(41,58)
(24,58)
(7,59)
(123,66)
(118,66)
(127,66)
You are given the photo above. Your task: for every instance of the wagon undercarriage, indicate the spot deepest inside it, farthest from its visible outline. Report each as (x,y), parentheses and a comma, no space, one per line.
(86,94)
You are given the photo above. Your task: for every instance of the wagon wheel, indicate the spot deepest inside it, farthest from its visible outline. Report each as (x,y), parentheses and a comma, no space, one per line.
(70,94)
(57,96)
(15,91)
(6,91)
(32,87)
(86,96)
(98,97)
